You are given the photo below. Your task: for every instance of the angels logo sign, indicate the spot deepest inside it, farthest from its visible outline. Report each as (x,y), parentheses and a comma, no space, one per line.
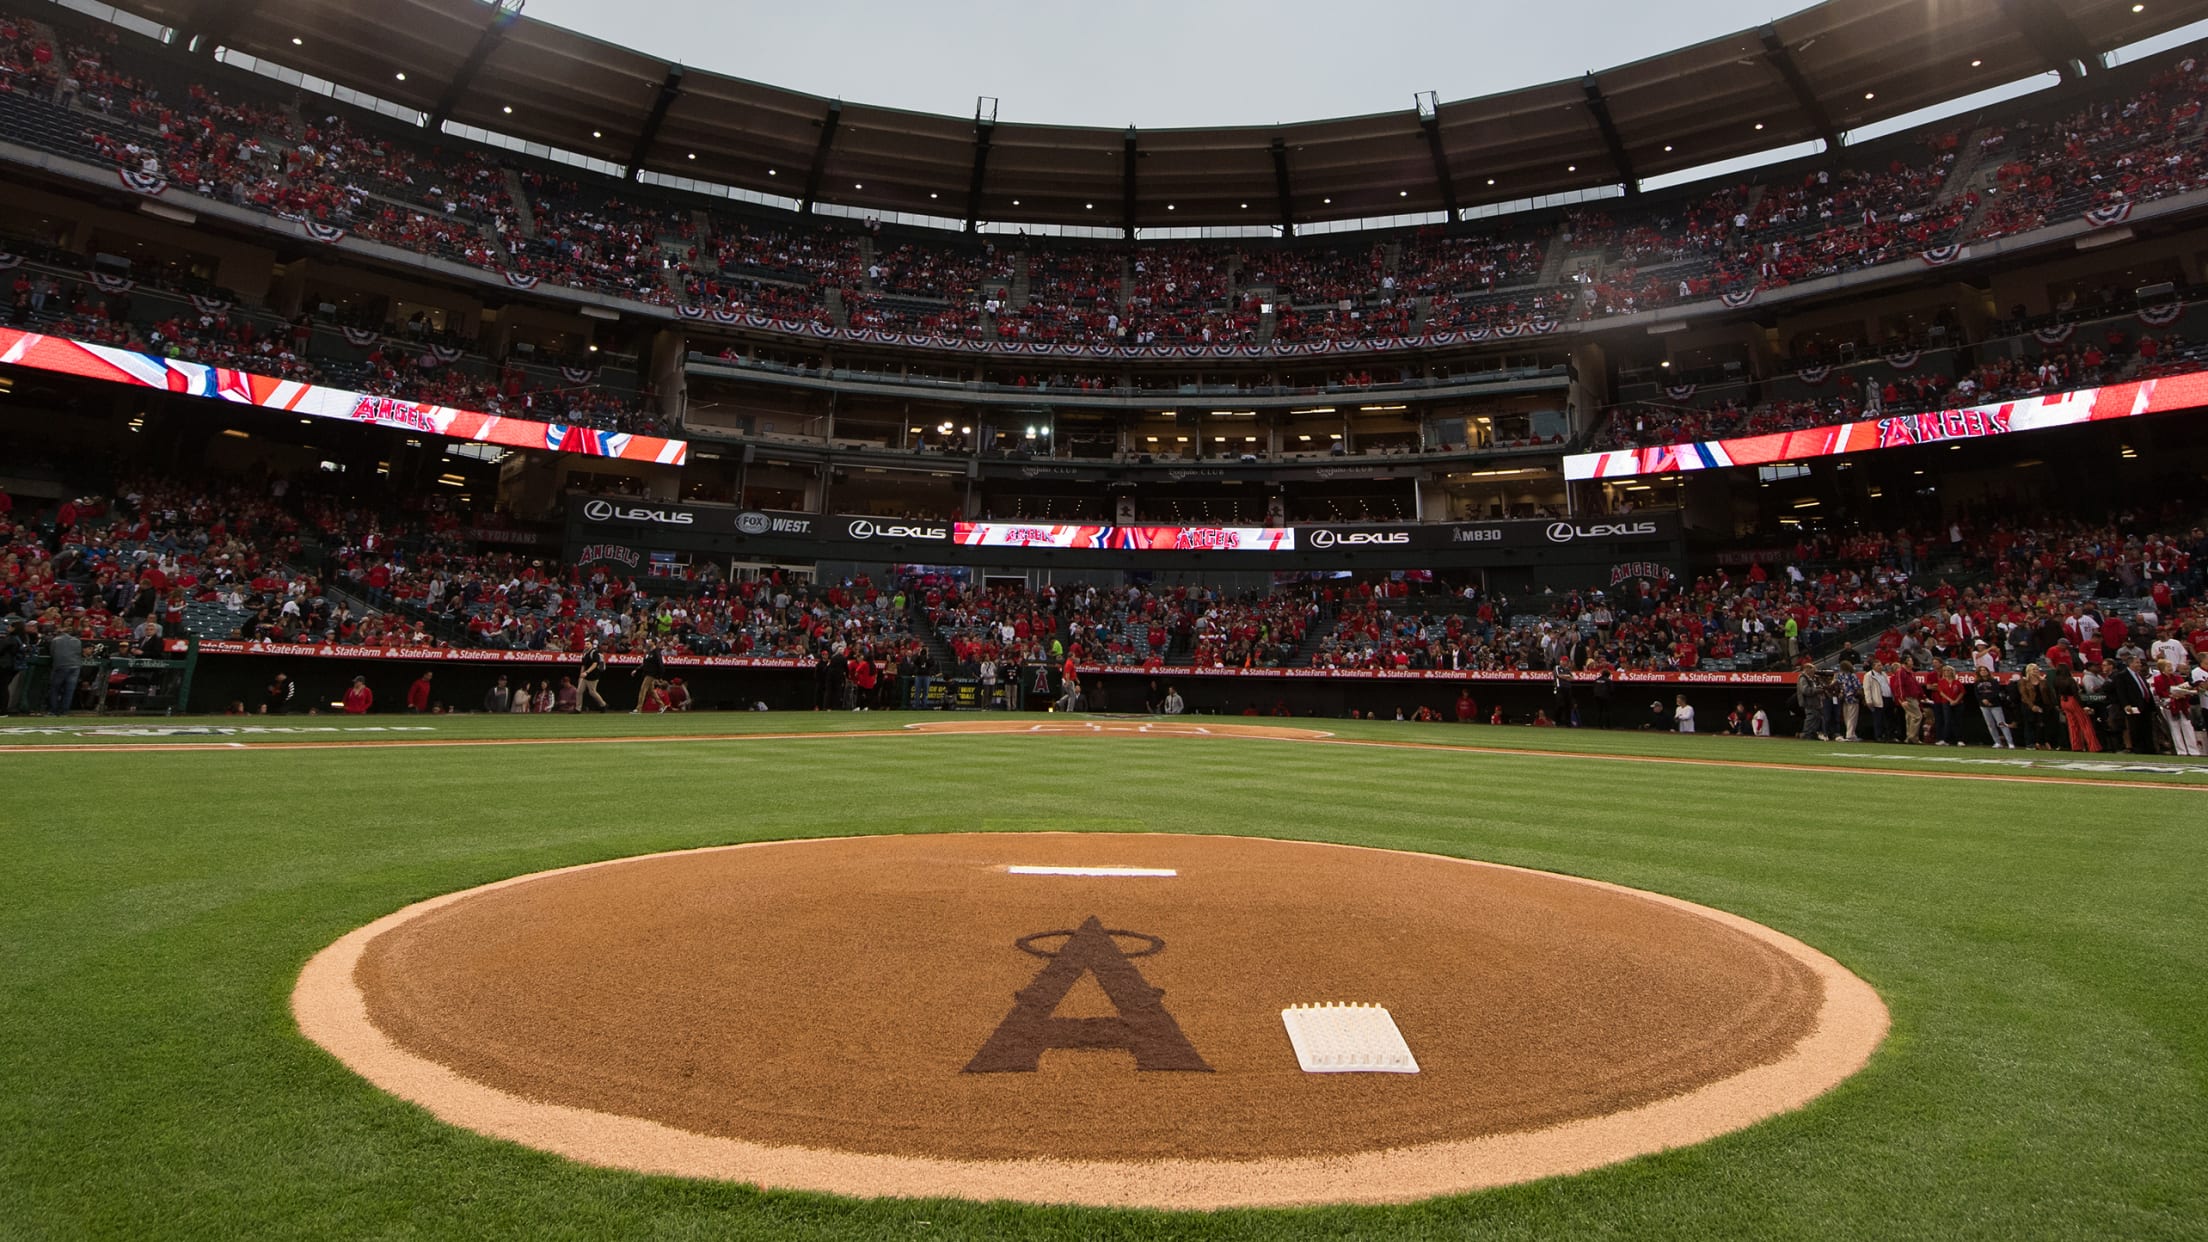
(593,553)
(392,412)
(1942,425)
(1630,570)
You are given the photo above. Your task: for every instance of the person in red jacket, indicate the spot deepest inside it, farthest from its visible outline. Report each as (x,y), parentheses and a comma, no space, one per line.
(360,698)
(417,695)
(1947,696)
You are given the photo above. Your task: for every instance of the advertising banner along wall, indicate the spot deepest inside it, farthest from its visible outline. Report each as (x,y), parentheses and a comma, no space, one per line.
(630,519)
(2066,409)
(194,379)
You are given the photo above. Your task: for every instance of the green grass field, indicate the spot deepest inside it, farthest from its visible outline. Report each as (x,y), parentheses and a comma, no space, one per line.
(2040,943)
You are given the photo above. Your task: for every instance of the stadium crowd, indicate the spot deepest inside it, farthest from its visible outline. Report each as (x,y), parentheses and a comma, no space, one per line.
(234,138)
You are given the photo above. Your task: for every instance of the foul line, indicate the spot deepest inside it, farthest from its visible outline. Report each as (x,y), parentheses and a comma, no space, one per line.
(1016,730)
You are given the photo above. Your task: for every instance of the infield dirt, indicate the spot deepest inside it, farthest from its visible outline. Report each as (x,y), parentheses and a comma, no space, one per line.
(829,995)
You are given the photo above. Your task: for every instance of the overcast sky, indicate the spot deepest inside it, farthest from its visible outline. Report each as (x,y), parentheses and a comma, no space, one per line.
(1155,63)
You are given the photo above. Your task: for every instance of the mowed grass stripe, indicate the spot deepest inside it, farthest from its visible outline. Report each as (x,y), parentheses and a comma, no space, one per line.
(1716,750)
(2038,947)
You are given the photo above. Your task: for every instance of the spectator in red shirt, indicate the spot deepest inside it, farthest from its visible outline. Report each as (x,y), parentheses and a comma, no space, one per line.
(359,698)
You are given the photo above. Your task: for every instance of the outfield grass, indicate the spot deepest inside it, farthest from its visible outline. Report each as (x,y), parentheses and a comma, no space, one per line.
(2040,945)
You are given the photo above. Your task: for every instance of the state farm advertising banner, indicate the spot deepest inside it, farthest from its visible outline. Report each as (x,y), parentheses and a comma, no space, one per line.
(2066,409)
(194,379)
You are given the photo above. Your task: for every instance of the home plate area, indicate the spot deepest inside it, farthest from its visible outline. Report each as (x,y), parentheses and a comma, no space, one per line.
(1047,1015)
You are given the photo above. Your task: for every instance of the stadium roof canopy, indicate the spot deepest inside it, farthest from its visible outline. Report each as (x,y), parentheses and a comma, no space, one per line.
(1813,75)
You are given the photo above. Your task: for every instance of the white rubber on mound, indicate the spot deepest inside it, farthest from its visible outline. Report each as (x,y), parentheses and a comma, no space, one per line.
(1347,1039)
(1090,871)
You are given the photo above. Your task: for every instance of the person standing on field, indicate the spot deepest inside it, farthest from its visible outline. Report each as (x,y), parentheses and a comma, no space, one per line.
(586,678)
(650,676)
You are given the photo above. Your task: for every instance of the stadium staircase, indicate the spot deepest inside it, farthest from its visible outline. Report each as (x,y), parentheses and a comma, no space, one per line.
(868,256)
(525,216)
(1971,167)
(1023,287)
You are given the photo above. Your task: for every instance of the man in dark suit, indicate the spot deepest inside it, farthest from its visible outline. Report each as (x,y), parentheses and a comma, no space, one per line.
(2134,699)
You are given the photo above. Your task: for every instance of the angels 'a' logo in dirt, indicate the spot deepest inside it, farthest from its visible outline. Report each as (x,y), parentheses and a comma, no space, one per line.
(1143,1027)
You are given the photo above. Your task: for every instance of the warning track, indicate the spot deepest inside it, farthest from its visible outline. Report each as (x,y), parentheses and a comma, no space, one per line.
(1123,728)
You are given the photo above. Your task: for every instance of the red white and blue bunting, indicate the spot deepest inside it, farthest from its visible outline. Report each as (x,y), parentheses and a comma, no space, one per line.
(578,375)
(360,338)
(327,234)
(2055,335)
(9,260)
(1814,375)
(519,281)
(2113,213)
(152,185)
(1737,298)
(1679,392)
(1941,256)
(112,284)
(207,305)
(447,354)
(2161,316)
(1905,360)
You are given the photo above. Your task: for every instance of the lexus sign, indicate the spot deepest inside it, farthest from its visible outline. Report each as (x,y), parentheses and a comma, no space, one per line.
(1566,532)
(1324,537)
(867,528)
(607,511)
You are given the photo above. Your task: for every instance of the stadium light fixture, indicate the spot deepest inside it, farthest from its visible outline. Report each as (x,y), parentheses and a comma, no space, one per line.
(597,133)
(2138,8)
(1974,64)
(933,194)
(693,155)
(296,41)
(1571,168)
(1245,206)
(1402,193)
(1759,125)
(1491,180)
(508,109)
(1169,206)
(1870,94)
(1084,206)
(1667,148)
(1329,202)
(858,185)
(400,76)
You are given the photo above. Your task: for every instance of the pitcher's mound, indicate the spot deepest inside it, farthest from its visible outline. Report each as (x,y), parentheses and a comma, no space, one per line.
(910,1016)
